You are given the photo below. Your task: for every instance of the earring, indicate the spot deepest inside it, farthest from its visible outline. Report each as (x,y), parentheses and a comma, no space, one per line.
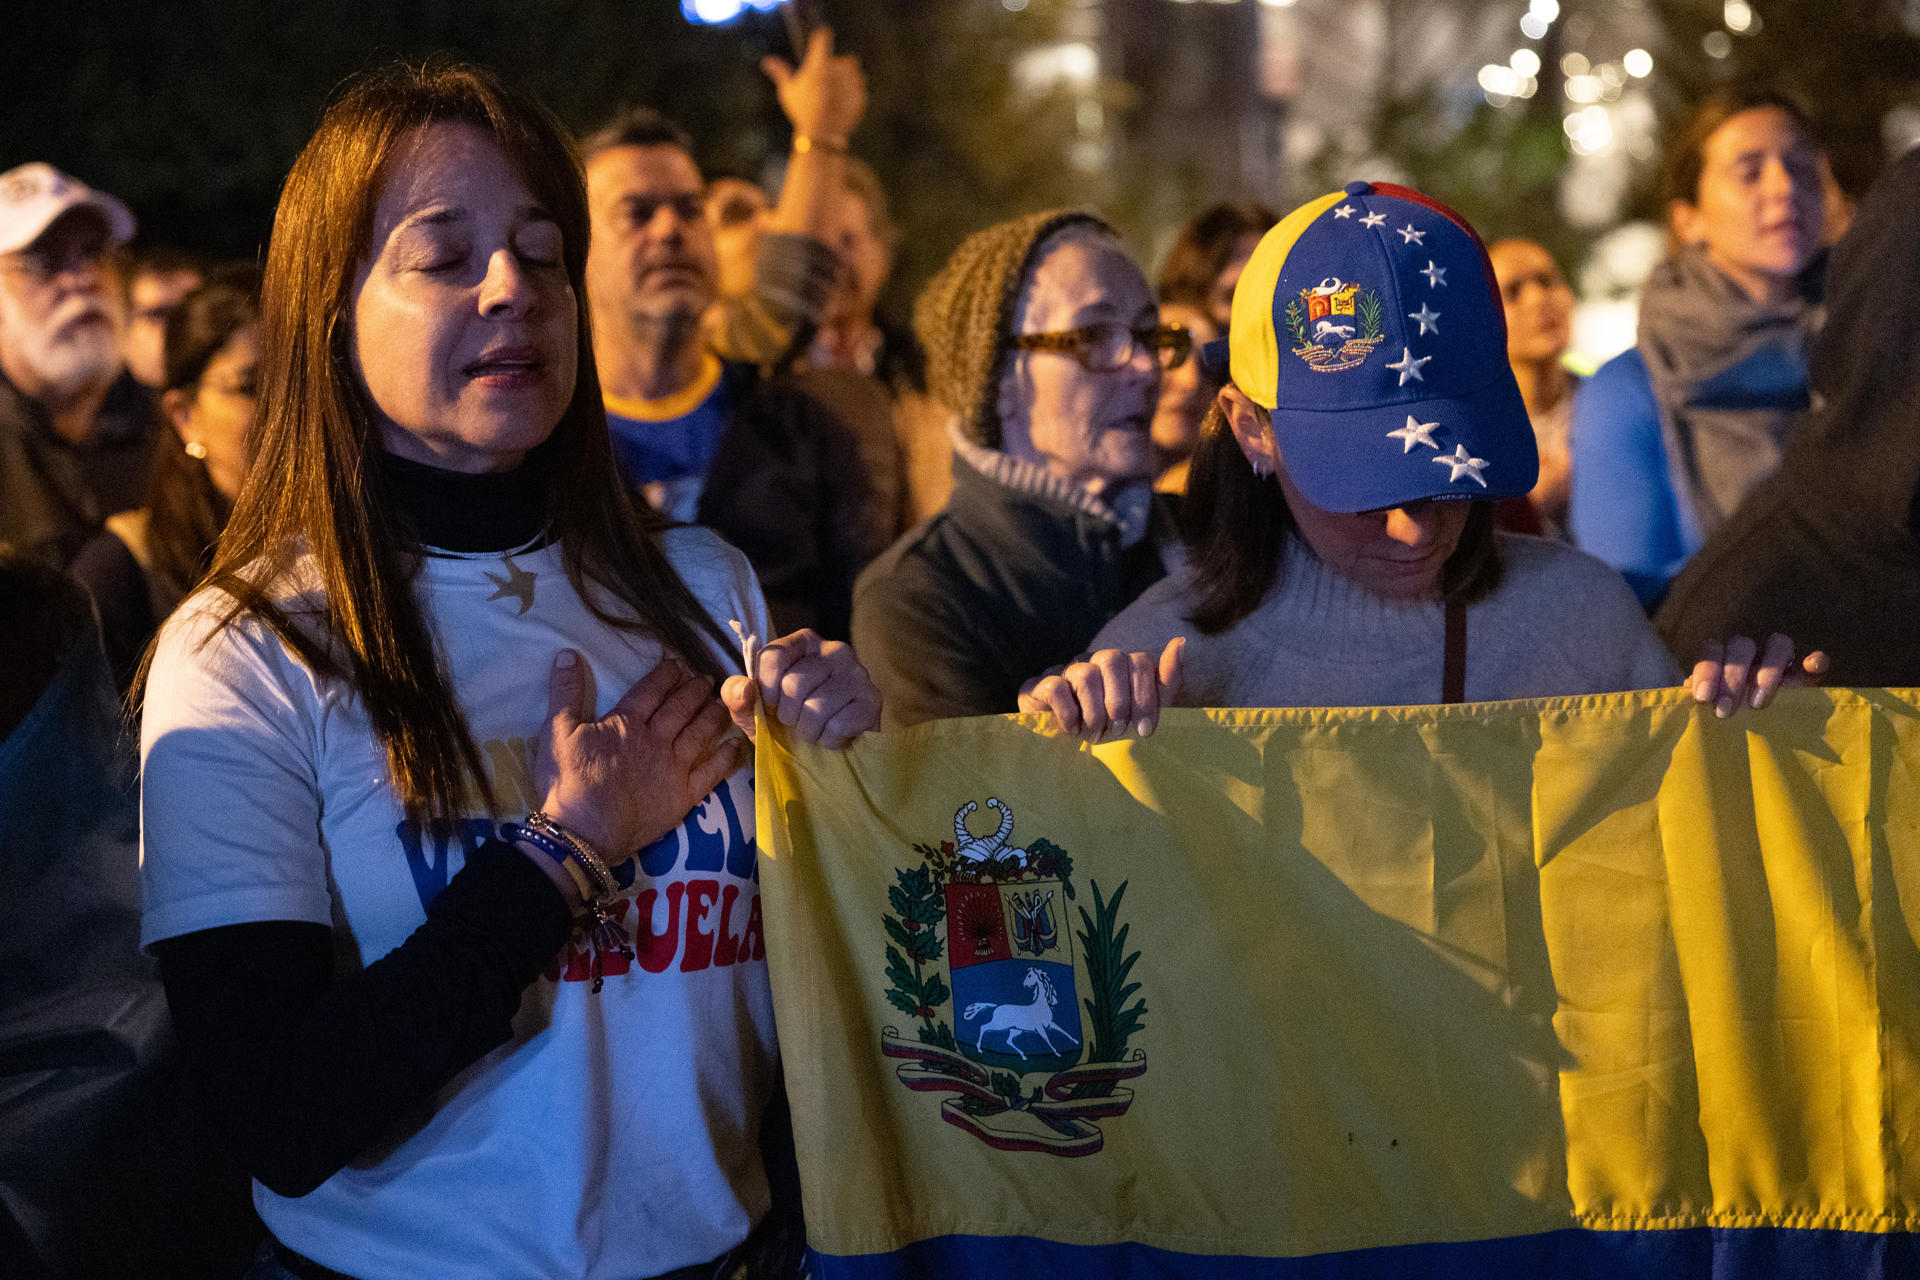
(195,449)
(1261,470)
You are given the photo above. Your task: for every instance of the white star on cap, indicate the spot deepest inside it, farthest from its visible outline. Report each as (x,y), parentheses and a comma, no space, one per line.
(1429,319)
(1436,276)
(1415,433)
(1464,464)
(1344,211)
(1409,236)
(1373,219)
(1409,366)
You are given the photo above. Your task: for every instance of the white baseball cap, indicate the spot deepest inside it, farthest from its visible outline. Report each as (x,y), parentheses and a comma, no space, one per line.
(32,195)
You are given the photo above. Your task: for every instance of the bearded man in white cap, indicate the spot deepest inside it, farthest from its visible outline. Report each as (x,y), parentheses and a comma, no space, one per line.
(76,434)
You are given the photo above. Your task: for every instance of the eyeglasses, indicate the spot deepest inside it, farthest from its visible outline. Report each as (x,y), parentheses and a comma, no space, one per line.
(42,266)
(1102,348)
(68,245)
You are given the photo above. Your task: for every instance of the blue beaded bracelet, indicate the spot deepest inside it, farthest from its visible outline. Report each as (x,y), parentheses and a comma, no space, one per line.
(555,849)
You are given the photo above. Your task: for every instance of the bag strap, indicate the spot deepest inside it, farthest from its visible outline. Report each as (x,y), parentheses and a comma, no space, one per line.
(1453,674)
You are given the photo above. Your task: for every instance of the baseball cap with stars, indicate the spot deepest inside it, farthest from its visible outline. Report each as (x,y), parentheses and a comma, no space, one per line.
(1369,323)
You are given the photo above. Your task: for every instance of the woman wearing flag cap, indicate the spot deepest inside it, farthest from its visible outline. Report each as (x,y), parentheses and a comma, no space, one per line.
(1343,549)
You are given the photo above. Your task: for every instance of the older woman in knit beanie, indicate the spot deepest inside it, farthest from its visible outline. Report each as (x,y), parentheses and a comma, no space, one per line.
(1044,345)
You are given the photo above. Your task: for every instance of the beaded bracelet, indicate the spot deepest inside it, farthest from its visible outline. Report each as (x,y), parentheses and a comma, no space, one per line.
(598,888)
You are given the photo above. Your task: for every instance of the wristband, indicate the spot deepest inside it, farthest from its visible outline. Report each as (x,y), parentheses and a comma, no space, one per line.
(805,142)
(560,852)
(578,851)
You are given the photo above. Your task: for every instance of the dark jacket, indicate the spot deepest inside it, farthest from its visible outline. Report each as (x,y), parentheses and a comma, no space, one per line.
(996,588)
(788,487)
(106,1168)
(128,597)
(1825,548)
(55,494)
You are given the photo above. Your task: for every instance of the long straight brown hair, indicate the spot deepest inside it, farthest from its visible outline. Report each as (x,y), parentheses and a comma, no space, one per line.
(310,497)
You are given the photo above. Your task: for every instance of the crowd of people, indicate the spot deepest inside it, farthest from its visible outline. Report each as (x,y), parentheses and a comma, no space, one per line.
(441,563)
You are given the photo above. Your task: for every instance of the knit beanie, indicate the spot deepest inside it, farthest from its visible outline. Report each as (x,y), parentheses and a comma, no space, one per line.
(964,316)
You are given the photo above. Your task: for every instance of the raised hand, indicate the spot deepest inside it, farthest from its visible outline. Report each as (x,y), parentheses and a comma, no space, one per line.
(826,96)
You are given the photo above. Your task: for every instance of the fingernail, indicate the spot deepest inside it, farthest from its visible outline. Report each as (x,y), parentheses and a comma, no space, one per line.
(1142,727)
(567,658)
(1700,693)
(1759,697)
(1724,708)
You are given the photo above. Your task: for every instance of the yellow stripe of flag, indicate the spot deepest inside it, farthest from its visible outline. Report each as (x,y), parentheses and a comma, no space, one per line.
(1397,975)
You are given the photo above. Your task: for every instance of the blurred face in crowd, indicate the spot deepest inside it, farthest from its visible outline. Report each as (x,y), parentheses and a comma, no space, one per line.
(652,256)
(1185,390)
(1088,427)
(864,259)
(1220,294)
(464,328)
(60,309)
(1539,305)
(215,412)
(1759,206)
(736,211)
(151,299)
(1395,553)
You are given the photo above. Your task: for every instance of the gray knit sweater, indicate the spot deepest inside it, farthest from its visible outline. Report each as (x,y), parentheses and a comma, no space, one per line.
(1561,622)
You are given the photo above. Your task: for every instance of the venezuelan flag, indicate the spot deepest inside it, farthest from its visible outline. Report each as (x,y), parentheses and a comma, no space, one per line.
(1568,987)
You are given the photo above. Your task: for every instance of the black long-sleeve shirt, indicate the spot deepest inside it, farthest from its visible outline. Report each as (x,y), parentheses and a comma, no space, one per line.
(303,1070)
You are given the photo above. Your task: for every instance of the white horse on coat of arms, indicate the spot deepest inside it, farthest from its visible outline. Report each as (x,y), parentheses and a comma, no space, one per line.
(1035,1016)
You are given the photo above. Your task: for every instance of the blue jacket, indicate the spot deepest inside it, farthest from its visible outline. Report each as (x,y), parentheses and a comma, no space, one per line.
(1625,509)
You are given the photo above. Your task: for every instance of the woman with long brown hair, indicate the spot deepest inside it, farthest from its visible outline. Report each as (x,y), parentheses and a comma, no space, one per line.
(445,1043)
(1671,435)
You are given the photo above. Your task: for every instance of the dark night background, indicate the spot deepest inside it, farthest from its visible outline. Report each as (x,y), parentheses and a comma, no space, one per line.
(191,110)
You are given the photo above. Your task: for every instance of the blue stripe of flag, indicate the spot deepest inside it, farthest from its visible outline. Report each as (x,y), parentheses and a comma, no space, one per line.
(1705,1253)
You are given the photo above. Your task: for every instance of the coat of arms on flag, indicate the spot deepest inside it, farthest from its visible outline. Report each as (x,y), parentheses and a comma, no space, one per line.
(1003,1028)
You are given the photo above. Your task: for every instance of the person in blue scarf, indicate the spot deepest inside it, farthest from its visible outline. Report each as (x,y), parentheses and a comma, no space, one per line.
(1669,436)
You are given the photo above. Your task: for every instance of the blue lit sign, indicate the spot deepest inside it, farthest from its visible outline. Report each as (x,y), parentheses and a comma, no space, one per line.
(712,11)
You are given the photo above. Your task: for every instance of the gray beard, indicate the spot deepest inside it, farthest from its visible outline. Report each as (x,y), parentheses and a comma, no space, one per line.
(77,362)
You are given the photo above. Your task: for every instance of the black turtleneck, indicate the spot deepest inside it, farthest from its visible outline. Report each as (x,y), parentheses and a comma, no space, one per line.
(465,511)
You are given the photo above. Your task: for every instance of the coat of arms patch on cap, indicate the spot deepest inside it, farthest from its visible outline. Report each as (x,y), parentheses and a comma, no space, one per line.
(1335,324)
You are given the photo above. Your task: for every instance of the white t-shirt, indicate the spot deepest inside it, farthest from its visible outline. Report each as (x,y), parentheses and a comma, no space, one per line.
(615,1134)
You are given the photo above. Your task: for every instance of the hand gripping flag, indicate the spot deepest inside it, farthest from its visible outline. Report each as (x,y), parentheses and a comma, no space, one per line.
(1595,986)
